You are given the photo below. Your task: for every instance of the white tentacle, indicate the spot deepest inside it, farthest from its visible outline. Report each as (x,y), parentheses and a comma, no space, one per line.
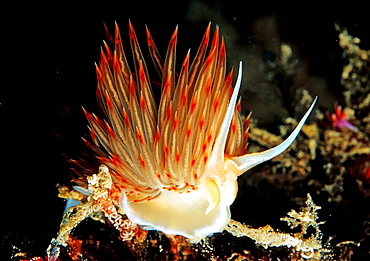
(249,161)
(217,157)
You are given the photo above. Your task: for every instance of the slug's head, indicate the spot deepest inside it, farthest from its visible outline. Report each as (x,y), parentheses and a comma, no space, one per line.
(176,162)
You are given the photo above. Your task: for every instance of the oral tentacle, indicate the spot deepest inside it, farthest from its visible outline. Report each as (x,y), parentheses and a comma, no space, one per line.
(249,161)
(217,157)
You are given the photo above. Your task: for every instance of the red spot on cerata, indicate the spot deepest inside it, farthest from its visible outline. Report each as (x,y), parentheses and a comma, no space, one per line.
(142,102)
(157,135)
(204,147)
(192,162)
(209,137)
(177,157)
(139,136)
(188,132)
(166,149)
(175,121)
(207,89)
(167,86)
(233,127)
(126,119)
(142,161)
(216,103)
(193,104)
(201,123)
(205,158)
(169,112)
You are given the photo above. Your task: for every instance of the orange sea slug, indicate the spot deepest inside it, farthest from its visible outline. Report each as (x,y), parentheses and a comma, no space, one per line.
(175,162)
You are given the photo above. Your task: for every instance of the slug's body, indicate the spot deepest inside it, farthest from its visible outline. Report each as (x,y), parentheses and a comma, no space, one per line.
(177,162)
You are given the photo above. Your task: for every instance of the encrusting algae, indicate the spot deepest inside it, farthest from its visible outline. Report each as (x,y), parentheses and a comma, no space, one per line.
(332,159)
(191,147)
(266,236)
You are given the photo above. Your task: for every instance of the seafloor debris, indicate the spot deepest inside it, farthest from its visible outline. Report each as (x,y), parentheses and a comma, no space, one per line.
(356,74)
(333,160)
(102,199)
(308,246)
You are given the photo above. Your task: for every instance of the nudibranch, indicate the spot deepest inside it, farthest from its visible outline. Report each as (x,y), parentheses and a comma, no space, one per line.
(176,162)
